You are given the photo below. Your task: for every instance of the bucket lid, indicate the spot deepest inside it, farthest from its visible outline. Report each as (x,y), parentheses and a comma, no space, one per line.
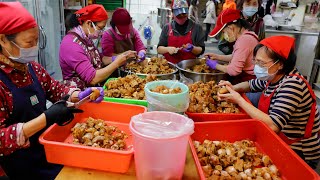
(161,125)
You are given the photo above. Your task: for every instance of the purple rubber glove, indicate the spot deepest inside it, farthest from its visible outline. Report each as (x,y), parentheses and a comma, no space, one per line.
(88,91)
(142,56)
(189,48)
(212,63)
(113,58)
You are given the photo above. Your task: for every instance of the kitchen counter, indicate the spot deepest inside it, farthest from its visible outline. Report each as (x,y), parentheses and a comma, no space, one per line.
(70,173)
(303,32)
(306,40)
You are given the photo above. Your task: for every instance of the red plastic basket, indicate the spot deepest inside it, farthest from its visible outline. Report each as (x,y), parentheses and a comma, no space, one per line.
(203,117)
(57,140)
(290,165)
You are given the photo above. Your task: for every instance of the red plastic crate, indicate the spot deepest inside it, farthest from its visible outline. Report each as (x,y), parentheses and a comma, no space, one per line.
(290,165)
(57,140)
(203,117)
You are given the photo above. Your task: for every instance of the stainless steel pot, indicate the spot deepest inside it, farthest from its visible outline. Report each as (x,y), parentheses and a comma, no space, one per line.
(170,76)
(204,77)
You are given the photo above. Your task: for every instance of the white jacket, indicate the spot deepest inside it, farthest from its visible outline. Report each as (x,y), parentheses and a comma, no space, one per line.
(211,13)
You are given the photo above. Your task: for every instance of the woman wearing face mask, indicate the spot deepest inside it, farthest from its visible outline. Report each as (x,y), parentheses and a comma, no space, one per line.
(80,61)
(182,38)
(234,29)
(24,87)
(250,13)
(121,37)
(287,104)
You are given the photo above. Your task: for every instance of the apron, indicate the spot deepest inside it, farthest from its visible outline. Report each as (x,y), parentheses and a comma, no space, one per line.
(178,41)
(121,46)
(264,104)
(243,76)
(28,163)
(96,61)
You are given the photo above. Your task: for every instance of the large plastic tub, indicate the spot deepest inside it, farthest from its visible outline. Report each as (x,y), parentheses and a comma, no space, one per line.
(123,100)
(57,140)
(203,117)
(160,142)
(290,165)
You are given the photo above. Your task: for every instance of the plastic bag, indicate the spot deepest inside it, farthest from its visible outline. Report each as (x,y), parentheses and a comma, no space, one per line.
(185,80)
(162,124)
(167,102)
(155,104)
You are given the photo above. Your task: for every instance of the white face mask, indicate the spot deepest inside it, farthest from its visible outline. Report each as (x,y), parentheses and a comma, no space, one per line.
(26,54)
(262,73)
(96,34)
(250,10)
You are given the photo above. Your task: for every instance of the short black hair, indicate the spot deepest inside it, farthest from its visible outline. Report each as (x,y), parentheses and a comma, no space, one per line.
(72,21)
(288,63)
(241,2)
(241,23)
(10,37)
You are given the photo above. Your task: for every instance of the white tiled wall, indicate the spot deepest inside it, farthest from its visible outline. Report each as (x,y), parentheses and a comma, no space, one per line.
(139,11)
(142,6)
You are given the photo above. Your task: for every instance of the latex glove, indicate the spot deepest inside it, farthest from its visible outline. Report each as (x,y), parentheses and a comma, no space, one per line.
(141,56)
(212,63)
(61,114)
(188,47)
(113,58)
(88,91)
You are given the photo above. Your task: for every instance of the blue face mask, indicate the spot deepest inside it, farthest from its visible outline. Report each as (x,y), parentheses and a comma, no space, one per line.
(262,73)
(26,54)
(249,11)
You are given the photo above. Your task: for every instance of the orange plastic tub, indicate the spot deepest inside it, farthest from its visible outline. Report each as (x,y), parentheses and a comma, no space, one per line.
(290,165)
(203,117)
(57,140)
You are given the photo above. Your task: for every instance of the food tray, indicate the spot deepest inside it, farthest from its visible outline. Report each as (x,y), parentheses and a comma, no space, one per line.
(57,140)
(202,117)
(169,76)
(123,100)
(290,165)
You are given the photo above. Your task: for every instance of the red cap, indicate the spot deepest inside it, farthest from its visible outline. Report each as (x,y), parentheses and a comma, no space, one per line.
(94,13)
(282,45)
(15,18)
(122,20)
(226,16)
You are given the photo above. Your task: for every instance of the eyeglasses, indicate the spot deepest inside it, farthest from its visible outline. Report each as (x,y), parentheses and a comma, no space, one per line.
(261,63)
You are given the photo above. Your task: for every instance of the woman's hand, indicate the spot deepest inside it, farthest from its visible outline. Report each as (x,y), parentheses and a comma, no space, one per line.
(233,96)
(123,57)
(172,50)
(212,56)
(225,83)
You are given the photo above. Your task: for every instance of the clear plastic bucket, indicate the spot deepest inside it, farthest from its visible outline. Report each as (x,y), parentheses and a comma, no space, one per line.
(160,144)
(178,103)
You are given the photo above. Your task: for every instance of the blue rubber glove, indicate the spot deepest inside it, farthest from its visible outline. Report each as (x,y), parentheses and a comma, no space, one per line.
(212,63)
(142,56)
(88,91)
(113,58)
(189,47)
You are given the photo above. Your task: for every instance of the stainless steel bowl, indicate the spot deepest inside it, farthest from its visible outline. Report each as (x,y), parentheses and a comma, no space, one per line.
(170,76)
(204,77)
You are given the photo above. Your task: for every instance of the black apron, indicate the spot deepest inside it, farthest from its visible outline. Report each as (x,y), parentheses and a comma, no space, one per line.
(27,163)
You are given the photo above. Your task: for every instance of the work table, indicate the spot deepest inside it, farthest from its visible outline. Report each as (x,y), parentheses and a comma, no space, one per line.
(70,173)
